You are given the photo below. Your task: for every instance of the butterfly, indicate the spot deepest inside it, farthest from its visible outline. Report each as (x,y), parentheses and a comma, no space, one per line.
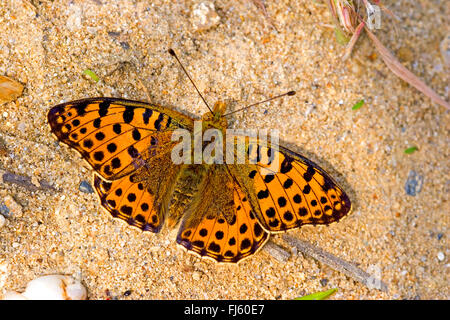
(224,212)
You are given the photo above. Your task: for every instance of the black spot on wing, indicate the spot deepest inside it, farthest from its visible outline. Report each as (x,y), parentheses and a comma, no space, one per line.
(117,128)
(103,110)
(128,114)
(308,175)
(158,121)
(286,165)
(81,108)
(97,123)
(146,115)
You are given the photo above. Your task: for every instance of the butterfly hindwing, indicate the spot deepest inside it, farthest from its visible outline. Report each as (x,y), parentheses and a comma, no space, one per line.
(289,190)
(225,233)
(141,198)
(112,134)
(129,201)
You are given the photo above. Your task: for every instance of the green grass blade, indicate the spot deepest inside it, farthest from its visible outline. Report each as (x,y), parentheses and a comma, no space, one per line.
(318,295)
(411,150)
(91,74)
(358,105)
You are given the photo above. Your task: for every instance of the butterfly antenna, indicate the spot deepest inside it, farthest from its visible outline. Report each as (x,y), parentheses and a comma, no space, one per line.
(172,53)
(290,93)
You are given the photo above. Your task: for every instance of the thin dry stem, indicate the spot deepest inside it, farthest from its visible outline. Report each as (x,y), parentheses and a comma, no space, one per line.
(399,70)
(336,263)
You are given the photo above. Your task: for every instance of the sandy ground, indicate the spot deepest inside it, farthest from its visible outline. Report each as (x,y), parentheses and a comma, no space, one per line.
(401,238)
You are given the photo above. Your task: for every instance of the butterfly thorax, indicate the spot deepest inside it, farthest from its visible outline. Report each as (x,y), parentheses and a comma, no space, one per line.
(215,119)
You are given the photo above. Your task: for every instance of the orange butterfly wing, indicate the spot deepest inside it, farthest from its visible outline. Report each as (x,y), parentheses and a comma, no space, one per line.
(226,234)
(128,143)
(112,134)
(130,201)
(295,192)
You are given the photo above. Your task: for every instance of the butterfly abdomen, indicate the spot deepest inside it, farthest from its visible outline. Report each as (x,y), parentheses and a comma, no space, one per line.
(185,191)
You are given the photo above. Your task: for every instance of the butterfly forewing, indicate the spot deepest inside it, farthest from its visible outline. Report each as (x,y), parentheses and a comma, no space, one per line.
(113,134)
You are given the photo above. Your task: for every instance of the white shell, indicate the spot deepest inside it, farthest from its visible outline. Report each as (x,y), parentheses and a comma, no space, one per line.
(55,287)
(12,295)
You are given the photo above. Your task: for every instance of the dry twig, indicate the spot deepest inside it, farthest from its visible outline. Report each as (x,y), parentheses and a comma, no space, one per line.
(336,263)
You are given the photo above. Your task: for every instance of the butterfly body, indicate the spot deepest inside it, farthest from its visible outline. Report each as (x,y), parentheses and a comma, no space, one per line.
(224,211)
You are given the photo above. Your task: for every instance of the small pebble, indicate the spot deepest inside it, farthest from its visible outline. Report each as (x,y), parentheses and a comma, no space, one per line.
(73,22)
(4,210)
(414,183)
(405,54)
(35,181)
(154,249)
(310,109)
(127,293)
(113,34)
(85,187)
(196,275)
(2,221)
(440,256)
(204,16)
(324,282)
(14,209)
(125,45)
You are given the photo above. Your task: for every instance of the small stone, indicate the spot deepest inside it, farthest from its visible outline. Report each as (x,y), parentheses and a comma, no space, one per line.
(440,256)
(405,54)
(204,16)
(13,208)
(324,282)
(113,34)
(2,221)
(35,181)
(85,187)
(127,293)
(439,236)
(154,249)
(4,210)
(3,148)
(125,45)
(310,109)
(414,183)
(196,275)
(73,22)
